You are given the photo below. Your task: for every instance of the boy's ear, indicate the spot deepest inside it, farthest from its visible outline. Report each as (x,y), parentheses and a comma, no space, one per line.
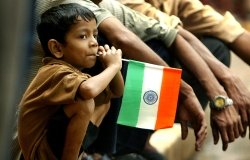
(55,48)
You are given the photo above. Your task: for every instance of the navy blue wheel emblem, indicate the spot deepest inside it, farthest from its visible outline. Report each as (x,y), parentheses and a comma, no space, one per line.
(150,97)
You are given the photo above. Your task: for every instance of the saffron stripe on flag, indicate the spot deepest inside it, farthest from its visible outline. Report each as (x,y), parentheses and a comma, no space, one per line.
(168,100)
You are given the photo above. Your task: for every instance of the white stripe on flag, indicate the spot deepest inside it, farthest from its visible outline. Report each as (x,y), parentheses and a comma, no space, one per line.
(151,81)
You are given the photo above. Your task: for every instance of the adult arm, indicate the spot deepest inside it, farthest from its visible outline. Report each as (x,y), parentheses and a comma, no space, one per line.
(241,46)
(188,114)
(225,122)
(133,48)
(157,14)
(232,84)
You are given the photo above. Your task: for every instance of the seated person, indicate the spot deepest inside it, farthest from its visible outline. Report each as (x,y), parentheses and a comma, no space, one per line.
(133,48)
(198,61)
(202,20)
(62,104)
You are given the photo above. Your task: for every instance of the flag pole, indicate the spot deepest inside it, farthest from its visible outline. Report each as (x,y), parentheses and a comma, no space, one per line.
(123,59)
(126,60)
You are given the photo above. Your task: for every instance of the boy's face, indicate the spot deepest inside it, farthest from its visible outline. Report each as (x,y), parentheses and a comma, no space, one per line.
(81,44)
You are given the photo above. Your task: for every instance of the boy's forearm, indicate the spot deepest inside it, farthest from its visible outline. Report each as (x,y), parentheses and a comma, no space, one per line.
(96,84)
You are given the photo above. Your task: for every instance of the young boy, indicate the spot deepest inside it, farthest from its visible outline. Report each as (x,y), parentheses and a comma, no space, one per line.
(61,104)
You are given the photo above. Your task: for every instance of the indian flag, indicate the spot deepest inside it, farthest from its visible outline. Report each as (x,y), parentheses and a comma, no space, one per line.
(150,96)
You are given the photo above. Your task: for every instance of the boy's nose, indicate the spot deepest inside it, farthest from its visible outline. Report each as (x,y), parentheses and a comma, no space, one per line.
(94,42)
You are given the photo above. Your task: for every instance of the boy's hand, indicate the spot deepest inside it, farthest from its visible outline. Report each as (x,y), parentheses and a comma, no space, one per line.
(110,56)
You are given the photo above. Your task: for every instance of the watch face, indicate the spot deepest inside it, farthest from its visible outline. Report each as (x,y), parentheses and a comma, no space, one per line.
(219,102)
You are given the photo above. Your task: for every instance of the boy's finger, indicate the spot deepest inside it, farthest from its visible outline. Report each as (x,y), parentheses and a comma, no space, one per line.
(113,50)
(106,47)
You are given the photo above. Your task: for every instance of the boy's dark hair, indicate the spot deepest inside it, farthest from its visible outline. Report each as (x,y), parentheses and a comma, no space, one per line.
(56,22)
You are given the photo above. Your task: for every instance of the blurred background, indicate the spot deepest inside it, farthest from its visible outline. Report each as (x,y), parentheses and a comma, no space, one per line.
(15,44)
(15,55)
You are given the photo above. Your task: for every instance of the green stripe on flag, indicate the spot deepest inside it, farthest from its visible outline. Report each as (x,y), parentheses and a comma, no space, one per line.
(132,94)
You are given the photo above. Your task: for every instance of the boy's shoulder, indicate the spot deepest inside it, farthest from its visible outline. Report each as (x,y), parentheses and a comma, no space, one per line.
(57,67)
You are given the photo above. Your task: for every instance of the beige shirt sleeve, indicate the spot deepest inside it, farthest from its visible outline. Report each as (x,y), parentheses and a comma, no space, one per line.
(197,18)
(204,20)
(144,27)
(152,11)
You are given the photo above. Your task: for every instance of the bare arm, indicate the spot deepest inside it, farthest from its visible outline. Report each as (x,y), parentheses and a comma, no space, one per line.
(133,48)
(117,83)
(111,60)
(189,112)
(196,65)
(241,47)
(232,84)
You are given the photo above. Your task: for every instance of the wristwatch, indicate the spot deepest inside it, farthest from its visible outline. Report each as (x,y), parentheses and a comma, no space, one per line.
(220,102)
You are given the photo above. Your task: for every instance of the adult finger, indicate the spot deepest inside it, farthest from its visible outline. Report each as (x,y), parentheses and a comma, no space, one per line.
(244,121)
(215,132)
(230,133)
(184,129)
(241,128)
(249,131)
(236,129)
(200,138)
(224,138)
(249,125)
(201,134)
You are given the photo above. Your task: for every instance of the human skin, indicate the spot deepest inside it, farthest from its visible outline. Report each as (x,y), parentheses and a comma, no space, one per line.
(199,68)
(137,50)
(225,122)
(80,50)
(232,84)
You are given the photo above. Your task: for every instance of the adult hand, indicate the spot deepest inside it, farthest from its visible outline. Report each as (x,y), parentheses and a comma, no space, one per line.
(237,91)
(227,123)
(190,113)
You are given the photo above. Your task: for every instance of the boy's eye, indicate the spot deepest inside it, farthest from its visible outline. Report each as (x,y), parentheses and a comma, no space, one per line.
(95,36)
(83,36)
